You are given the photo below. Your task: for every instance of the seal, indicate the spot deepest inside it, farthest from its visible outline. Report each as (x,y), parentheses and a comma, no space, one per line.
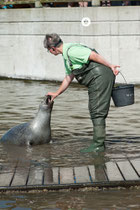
(35,132)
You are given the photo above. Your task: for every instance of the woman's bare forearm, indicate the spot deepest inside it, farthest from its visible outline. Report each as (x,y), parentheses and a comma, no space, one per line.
(99,59)
(64,85)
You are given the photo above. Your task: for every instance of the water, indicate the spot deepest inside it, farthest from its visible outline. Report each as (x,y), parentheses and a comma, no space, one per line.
(71,131)
(100,200)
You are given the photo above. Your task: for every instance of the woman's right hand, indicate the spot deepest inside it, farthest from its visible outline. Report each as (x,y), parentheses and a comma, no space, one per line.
(52,94)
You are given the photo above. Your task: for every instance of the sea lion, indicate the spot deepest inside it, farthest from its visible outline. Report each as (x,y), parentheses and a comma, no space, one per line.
(37,131)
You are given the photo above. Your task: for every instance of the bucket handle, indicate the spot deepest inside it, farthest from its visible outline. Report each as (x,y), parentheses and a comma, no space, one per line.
(123,77)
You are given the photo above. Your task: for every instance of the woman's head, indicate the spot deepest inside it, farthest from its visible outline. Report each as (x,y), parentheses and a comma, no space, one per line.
(52,40)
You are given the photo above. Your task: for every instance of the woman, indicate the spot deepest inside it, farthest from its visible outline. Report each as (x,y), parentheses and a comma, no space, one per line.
(91,70)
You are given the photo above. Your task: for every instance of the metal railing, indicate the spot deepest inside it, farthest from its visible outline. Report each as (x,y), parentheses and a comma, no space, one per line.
(38,3)
(41,1)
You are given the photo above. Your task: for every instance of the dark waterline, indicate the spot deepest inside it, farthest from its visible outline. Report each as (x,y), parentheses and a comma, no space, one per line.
(71,131)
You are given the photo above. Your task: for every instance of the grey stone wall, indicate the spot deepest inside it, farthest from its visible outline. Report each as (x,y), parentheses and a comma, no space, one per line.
(114,32)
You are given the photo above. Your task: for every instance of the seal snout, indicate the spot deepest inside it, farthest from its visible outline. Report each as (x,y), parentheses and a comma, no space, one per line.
(47,103)
(48,100)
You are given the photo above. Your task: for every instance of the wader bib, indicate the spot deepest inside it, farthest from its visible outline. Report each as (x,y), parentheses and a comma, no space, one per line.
(99,80)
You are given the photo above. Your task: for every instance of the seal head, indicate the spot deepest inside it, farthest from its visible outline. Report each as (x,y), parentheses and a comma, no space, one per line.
(37,131)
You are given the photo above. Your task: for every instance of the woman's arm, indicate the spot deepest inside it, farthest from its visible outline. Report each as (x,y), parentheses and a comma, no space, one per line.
(64,85)
(99,59)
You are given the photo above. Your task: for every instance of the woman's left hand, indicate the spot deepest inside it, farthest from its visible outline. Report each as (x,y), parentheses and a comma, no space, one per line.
(114,69)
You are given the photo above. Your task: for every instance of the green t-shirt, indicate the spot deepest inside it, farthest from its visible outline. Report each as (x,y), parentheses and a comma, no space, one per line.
(78,55)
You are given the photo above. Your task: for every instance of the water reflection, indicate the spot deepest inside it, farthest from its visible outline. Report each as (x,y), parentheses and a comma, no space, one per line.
(71,125)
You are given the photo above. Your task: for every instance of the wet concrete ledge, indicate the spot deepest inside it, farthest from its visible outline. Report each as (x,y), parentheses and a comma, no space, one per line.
(115,173)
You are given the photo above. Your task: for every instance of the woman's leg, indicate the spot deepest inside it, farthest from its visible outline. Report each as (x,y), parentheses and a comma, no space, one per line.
(99,90)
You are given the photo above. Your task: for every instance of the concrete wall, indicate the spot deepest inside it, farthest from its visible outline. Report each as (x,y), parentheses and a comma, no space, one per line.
(114,32)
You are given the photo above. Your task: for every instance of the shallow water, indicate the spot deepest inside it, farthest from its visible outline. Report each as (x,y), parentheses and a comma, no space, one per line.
(71,131)
(75,200)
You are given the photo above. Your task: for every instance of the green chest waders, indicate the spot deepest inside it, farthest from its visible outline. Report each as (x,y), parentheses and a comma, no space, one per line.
(99,80)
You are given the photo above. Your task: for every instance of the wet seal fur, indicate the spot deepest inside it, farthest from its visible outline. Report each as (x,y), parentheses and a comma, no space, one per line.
(37,131)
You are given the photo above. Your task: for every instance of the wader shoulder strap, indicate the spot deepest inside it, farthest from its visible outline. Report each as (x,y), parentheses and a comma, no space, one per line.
(69,60)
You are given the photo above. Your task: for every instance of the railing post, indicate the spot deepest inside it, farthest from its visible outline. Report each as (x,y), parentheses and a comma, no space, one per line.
(38,4)
(95,3)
